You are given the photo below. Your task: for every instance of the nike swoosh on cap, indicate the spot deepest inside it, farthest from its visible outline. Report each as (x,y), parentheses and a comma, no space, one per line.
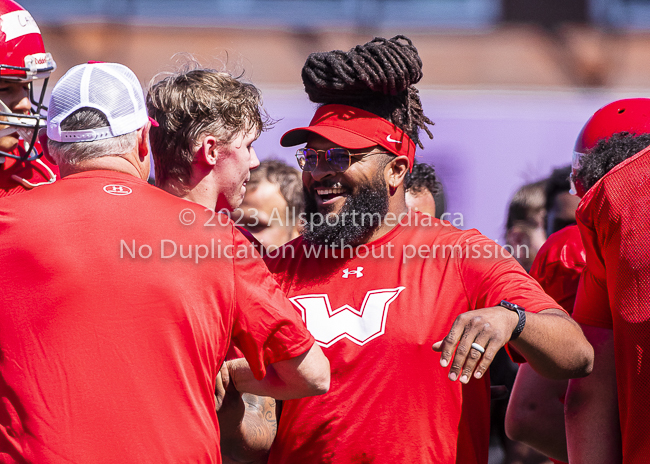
(391,140)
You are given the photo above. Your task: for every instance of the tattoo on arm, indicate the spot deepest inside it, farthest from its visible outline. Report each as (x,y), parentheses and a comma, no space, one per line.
(260,424)
(271,418)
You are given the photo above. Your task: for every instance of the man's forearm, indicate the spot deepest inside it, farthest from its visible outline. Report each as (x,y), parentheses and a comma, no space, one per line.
(554,345)
(535,414)
(304,375)
(551,342)
(591,407)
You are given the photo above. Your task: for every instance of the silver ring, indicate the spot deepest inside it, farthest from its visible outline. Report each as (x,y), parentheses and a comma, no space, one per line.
(478,348)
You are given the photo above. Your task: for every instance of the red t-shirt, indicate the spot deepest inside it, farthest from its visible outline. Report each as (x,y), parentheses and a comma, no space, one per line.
(112,331)
(614,292)
(376,319)
(36,172)
(557,268)
(558,265)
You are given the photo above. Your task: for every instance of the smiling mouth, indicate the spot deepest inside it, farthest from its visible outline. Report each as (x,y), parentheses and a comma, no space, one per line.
(327,194)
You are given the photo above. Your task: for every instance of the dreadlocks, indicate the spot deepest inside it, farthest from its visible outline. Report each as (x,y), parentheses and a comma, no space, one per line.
(377,77)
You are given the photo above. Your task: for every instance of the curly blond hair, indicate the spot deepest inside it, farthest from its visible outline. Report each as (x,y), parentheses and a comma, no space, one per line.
(191,103)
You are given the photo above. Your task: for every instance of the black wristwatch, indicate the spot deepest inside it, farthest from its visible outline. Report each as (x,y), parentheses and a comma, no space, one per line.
(521,312)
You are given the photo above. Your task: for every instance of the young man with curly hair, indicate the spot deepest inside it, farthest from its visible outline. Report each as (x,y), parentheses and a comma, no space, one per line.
(203,152)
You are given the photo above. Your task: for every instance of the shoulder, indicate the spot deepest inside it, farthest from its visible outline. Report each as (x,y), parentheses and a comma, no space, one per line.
(445,241)
(564,247)
(283,262)
(418,228)
(280,259)
(558,265)
(251,238)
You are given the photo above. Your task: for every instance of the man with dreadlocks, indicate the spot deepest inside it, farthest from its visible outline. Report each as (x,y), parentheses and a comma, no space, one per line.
(379,285)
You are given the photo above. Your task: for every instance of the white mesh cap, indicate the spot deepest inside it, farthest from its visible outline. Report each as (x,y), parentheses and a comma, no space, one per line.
(111,88)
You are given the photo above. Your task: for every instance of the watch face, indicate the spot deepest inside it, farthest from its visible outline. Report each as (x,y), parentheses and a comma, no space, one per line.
(511,306)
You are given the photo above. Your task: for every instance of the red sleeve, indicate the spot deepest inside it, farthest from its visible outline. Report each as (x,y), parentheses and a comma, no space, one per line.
(266,328)
(489,275)
(282,263)
(234,353)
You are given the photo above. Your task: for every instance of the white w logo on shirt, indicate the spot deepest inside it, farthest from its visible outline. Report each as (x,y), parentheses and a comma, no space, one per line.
(328,327)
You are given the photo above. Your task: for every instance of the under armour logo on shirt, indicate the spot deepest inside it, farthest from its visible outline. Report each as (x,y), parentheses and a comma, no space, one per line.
(358,272)
(115,189)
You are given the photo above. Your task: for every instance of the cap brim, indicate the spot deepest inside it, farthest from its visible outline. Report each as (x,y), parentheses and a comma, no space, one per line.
(335,135)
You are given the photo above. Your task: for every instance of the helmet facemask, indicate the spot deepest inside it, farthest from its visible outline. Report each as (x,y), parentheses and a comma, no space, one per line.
(23,60)
(27,125)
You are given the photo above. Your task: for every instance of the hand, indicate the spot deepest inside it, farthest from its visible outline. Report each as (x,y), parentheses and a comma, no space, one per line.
(223,382)
(489,328)
(226,393)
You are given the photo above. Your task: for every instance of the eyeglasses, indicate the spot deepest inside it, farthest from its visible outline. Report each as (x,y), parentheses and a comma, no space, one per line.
(338,159)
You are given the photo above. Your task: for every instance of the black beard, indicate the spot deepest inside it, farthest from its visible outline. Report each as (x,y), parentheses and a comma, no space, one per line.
(359,218)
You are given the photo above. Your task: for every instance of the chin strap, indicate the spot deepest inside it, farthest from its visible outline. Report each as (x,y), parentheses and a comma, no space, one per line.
(51,177)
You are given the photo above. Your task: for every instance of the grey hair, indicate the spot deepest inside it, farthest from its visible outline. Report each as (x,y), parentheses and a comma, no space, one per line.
(76,152)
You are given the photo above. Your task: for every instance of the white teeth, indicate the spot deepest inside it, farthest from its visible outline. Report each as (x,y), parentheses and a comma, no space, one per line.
(334,191)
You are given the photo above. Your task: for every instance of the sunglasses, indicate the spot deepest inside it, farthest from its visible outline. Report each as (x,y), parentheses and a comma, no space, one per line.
(338,159)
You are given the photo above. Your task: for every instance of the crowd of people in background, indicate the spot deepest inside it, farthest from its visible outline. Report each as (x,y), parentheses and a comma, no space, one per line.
(247,311)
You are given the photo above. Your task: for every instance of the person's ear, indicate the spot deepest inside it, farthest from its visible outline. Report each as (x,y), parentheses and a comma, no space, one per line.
(144,148)
(395,172)
(208,151)
(42,140)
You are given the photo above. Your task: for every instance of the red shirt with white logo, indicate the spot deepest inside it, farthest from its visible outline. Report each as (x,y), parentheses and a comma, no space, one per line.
(614,291)
(376,318)
(115,318)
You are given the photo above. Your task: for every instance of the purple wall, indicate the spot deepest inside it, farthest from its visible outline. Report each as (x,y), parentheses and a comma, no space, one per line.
(485,146)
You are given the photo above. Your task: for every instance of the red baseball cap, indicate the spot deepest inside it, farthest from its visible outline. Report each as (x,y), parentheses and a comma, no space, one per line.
(353,128)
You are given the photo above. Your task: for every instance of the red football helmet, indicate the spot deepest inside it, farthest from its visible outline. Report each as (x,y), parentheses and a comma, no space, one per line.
(629,115)
(24,60)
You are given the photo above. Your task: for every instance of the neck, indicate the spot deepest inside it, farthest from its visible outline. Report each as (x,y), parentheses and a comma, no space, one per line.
(396,209)
(393,221)
(127,164)
(201,189)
